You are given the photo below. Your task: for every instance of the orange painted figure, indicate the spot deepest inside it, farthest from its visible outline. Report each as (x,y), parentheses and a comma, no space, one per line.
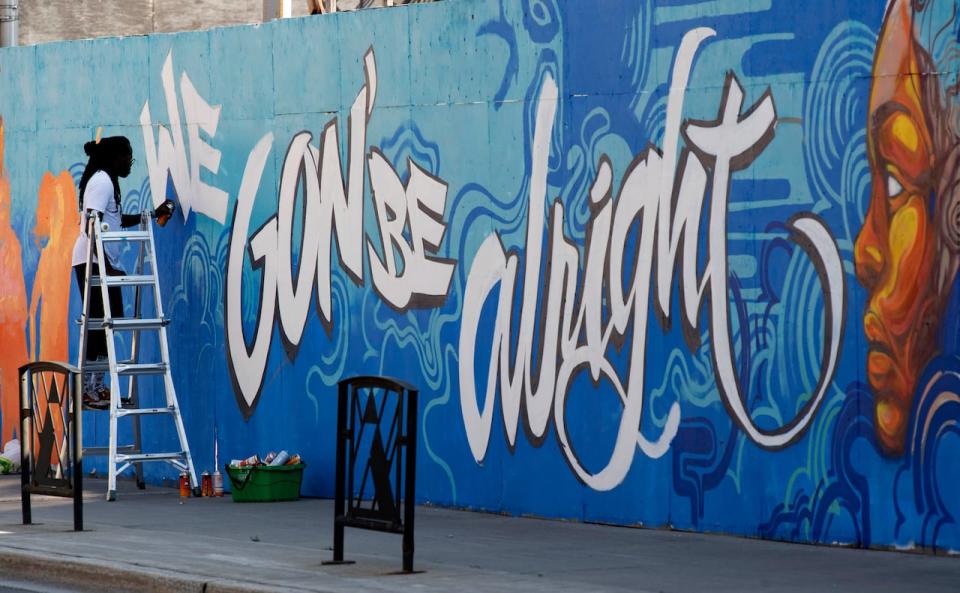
(907,252)
(57,219)
(13,310)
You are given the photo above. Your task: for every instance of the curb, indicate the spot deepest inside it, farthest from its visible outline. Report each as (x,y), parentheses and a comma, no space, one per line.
(94,575)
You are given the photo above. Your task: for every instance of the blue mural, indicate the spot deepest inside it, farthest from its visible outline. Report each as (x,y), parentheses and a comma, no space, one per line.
(659,262)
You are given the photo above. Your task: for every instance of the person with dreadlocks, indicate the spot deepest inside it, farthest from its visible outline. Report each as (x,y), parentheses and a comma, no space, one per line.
(110,159)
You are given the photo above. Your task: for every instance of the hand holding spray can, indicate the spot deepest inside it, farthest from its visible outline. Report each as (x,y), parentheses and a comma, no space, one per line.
(164,212)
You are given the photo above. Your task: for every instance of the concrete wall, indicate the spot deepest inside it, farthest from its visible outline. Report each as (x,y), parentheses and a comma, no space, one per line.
(686,264)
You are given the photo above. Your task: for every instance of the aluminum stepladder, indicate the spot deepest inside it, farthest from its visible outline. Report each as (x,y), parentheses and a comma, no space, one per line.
(123,457)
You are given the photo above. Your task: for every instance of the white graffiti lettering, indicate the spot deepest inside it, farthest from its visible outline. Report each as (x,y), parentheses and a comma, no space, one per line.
(166,154)
(666,216)
(417,205)
(410,222)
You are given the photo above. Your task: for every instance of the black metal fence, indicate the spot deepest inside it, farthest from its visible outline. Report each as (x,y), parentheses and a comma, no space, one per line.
(376,460)
(51,452)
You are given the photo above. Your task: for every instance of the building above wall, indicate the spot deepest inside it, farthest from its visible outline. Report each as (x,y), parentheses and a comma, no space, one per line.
(58,20)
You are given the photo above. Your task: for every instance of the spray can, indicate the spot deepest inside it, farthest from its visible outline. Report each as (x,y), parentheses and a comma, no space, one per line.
(250,461)
(206,484)
(164,212)
(280,459)
(184,486)
(217,483)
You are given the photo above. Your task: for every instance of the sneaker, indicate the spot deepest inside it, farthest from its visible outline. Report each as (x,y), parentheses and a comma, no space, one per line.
(103,392)
(92,401)
(97,400)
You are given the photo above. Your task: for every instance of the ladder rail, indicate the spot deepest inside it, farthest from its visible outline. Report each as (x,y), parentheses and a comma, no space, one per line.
(133,391)
(92,220)
(170,390)
(111,360)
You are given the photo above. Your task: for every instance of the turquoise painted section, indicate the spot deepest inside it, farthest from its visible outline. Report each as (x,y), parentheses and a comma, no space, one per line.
(487,183)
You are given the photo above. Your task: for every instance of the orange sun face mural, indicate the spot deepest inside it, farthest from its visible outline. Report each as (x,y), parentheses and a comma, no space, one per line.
(905,254)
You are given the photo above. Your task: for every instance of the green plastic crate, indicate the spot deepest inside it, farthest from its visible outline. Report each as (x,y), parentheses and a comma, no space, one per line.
(265,483)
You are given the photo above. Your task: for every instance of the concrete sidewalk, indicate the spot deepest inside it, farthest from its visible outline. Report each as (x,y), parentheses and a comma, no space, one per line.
(147,541)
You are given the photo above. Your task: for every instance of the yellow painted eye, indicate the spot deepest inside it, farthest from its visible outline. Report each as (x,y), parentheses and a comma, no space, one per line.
(894,188)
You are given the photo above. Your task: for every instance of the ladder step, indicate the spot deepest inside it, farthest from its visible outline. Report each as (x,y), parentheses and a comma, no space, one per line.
(127,449)
(152,368)
(125,404)
(128,280)
(135,457)
(126,368)
(127,323)
(144,411)
(95,367)
(125,236)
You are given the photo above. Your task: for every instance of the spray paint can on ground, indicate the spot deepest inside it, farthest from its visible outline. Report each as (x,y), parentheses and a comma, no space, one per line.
(184,486)
(217,483)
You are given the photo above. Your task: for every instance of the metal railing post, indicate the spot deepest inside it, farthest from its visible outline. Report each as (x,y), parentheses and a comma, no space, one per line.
(382,413)
(76,433)
(410,495)
(51,465)
(339,503)
(25,446)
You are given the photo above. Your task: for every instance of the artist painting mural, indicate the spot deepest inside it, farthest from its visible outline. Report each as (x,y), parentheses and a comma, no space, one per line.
(686,264)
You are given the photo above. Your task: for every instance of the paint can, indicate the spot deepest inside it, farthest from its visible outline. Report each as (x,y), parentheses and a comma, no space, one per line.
(280,458)
(250,461)
(217,483)
(184,486)
(206,484)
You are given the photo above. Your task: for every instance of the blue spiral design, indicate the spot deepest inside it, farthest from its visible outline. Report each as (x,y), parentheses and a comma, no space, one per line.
(834,112)
(926,487)
(636,51)
(829,486)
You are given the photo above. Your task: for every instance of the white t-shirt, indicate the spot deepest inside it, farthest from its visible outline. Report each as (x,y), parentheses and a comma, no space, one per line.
(99,196)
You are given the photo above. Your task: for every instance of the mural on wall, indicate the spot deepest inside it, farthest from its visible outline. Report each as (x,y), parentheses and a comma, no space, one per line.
(666,201)
(13,307)
(56,221)
(907,251)
(721,234)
